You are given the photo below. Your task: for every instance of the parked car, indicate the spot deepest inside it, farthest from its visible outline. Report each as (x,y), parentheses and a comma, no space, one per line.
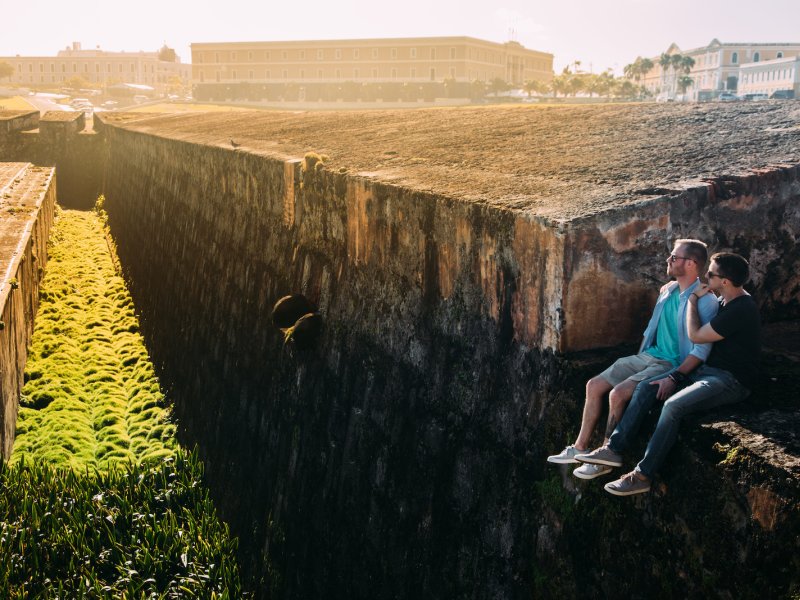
(727,97)
(782,95)
(752,97)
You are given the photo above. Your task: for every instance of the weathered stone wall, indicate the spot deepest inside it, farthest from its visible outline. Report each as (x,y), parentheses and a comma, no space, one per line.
(56,139)
(27,205)
(403,456)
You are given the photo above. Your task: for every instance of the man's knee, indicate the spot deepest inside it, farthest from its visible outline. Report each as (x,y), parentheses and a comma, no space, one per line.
(596,387)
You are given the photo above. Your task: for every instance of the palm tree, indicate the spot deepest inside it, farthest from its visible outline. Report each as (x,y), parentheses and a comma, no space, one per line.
(684,81)
(687,63)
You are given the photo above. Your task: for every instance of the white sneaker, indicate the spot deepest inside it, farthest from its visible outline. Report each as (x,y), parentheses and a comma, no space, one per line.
(566,456)
(589,471)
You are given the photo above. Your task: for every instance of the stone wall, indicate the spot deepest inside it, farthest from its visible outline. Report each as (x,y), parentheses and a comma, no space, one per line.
(27,205)
(56,139)
(403,455)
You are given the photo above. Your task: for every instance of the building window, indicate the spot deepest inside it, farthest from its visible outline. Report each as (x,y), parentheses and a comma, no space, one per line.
(285,74)
(202,79)
(338,73)
(337,53)
(319,73)
(285,55)
(249,56)
(251,75)
(393,53)
(218,76)
(133,67)
(394,73)
(97,68)
(452,53)
(374,53)
(413,72)
(374,73)
(433,74)
(85,67)
(302,73)
(302,54)
(52,68)
(779,55)
(266,74)
(320,54)
(266,55)
(355,73)
(756,57)
(356,53)
(452,72)
(216,56)
(233,74)
(41,67)
(413,52)
(74,68)
(433,53)
(233,56)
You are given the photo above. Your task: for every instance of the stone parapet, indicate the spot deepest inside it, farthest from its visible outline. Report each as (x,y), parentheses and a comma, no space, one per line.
(27,205)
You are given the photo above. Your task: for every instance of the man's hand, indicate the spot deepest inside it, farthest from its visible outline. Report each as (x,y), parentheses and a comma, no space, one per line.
(666,387)
(701,290)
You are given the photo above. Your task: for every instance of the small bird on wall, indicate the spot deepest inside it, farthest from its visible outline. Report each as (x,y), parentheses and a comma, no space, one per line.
(235,144)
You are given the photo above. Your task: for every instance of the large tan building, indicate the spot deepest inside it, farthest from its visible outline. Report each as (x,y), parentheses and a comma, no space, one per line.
(717,68)
(338,69)
(155,69)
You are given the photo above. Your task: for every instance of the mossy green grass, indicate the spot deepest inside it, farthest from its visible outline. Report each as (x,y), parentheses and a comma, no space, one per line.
(91,397)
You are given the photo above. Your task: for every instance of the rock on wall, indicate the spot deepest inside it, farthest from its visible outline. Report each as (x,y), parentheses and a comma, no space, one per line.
(27,205)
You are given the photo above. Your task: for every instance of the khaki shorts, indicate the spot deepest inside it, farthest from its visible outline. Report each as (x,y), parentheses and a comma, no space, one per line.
(635,368)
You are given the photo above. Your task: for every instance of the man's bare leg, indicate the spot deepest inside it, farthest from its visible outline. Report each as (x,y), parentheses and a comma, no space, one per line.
(596,389)
(618,400)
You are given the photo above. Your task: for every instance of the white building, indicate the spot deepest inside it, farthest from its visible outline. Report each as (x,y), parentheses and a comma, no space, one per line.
(98,67)
(770,76)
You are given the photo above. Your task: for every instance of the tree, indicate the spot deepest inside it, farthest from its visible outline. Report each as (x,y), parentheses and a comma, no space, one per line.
(6,70)
(498,84)
(76,82)
(684,81)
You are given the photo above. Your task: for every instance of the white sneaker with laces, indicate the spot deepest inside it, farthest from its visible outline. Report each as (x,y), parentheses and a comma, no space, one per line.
(589,471)
(565,457)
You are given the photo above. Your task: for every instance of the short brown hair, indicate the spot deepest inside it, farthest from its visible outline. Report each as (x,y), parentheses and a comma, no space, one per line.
(696,250)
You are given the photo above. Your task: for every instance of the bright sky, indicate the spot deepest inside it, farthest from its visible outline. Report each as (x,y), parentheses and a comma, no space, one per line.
(599,33)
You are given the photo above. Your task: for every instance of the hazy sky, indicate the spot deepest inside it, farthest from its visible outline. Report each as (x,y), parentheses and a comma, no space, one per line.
(599,33)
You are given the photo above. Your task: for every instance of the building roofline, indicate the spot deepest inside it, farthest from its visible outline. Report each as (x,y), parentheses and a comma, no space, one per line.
(459,38)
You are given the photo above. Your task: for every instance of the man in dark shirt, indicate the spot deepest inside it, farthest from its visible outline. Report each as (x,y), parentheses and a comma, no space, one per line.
(727,376)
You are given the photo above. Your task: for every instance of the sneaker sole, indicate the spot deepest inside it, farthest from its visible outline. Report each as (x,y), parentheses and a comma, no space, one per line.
(583,476)
(597,461)
(562,461)
(631,493)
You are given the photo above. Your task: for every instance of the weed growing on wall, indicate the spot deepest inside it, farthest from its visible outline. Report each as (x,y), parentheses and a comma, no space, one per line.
(91,397)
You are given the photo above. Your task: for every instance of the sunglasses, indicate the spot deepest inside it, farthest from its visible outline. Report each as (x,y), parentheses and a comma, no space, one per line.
(711,274)
(674,257)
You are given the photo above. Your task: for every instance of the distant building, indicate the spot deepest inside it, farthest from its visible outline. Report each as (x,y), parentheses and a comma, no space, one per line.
(770,76)
(393,68)
(718,68)
(99,67)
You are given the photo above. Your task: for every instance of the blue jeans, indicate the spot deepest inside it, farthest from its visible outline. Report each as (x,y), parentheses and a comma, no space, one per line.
(710,388)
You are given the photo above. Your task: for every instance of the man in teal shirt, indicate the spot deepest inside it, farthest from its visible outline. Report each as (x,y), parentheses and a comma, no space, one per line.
(665,345)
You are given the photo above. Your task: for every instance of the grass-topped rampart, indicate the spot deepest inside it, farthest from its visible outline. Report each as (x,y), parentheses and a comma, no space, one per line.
(98,500)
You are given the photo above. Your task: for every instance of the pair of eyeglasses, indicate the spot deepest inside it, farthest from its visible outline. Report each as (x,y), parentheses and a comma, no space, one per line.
(674,257)
(711,274)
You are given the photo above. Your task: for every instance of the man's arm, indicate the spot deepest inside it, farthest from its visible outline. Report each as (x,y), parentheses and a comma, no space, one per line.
(667,386)
(699,333)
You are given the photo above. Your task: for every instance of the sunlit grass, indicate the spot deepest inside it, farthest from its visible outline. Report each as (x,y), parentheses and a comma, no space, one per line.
(91,397)
(15,103)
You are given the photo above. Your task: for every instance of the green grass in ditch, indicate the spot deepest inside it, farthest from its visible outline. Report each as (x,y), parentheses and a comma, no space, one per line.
(98,500)
(91,397)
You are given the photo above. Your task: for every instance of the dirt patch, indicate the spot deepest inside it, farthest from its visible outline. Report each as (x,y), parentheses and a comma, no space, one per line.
(559,162)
